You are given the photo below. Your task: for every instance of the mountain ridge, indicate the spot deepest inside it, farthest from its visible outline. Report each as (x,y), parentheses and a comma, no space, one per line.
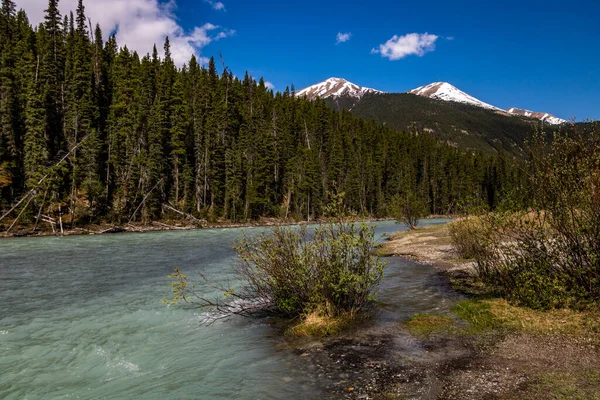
(551,119)
(337,88)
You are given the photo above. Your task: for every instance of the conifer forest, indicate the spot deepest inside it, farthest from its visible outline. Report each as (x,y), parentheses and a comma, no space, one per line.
(94,132)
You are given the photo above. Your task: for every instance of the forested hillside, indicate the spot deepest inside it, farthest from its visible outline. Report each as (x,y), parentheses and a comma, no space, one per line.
(463,125)
(95,132)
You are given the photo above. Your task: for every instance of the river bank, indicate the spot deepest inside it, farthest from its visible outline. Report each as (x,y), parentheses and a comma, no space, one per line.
(482,349)
(158,226)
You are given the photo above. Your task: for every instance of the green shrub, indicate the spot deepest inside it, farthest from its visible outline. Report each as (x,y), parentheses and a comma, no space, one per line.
(539,287)
(548,256)
(291,272)
(471,237)
(332,268)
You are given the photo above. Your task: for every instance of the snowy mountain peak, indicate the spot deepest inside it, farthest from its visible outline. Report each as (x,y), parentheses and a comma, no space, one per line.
(335,87)
(447,92)
(548,118)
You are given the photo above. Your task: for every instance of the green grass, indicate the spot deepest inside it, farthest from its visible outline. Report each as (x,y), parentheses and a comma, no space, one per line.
(424,325)
(577,385)
(493,313)
(478,314)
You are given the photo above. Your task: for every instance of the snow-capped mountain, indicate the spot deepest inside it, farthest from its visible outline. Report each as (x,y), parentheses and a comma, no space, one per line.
(447,92)
(335,87)
(549,118)
(347,95)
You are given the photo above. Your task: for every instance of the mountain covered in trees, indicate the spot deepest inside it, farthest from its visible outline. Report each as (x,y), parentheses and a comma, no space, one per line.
(438,109)
(466,126)
(94,132)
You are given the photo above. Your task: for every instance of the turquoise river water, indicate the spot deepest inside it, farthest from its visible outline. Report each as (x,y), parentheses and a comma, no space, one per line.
(82,317)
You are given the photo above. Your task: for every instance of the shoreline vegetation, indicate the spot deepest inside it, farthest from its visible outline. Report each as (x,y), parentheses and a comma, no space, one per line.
(514,352)
(484,347)
(319,280)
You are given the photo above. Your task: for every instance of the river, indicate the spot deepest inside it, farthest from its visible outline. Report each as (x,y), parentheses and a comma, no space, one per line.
(81,317)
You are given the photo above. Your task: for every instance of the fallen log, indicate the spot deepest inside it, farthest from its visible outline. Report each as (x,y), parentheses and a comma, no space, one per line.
(171,227)
(113,229)
(187,216)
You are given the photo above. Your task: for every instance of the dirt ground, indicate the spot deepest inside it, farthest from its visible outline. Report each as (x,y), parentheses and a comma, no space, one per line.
(372,363)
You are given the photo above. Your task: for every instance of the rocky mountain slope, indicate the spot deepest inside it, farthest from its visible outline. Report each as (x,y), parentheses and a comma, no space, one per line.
(549,118)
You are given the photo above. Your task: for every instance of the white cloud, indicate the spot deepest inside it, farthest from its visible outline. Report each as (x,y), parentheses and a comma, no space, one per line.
(410,44)
(342,37)
(269,85)
(216,5)
(139,24)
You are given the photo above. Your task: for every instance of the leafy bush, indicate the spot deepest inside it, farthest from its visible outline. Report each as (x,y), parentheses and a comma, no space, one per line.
(549,256)
(471,237)
(294,272)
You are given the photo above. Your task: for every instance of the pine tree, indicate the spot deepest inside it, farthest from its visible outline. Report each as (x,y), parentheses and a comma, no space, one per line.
(10,118)
(179,128)
(52,75)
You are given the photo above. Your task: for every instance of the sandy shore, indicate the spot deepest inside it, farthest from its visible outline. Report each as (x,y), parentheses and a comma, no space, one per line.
(430,245)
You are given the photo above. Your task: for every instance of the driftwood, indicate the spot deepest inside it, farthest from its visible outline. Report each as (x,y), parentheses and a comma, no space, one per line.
(51,221)
(19,216)
(143,201)
(134,228)
(187,216)
(32,191)
(39,214)
(113,229)
(31,194)
(62,232)
(176,228)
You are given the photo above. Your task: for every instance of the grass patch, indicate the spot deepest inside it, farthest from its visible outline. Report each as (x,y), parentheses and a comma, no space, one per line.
(319,323)
(383,251)
(489,314)
(566,385)
(479,314)
(424,325)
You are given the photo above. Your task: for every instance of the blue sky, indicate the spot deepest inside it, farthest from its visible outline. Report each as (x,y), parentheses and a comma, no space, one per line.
(540,55)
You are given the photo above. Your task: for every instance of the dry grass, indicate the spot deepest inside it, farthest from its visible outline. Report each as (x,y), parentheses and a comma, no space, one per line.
(562,321)
(565,385)
(498,313)
(321,323)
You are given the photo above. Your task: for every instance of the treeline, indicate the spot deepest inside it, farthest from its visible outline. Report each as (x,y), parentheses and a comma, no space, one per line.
(95,132)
